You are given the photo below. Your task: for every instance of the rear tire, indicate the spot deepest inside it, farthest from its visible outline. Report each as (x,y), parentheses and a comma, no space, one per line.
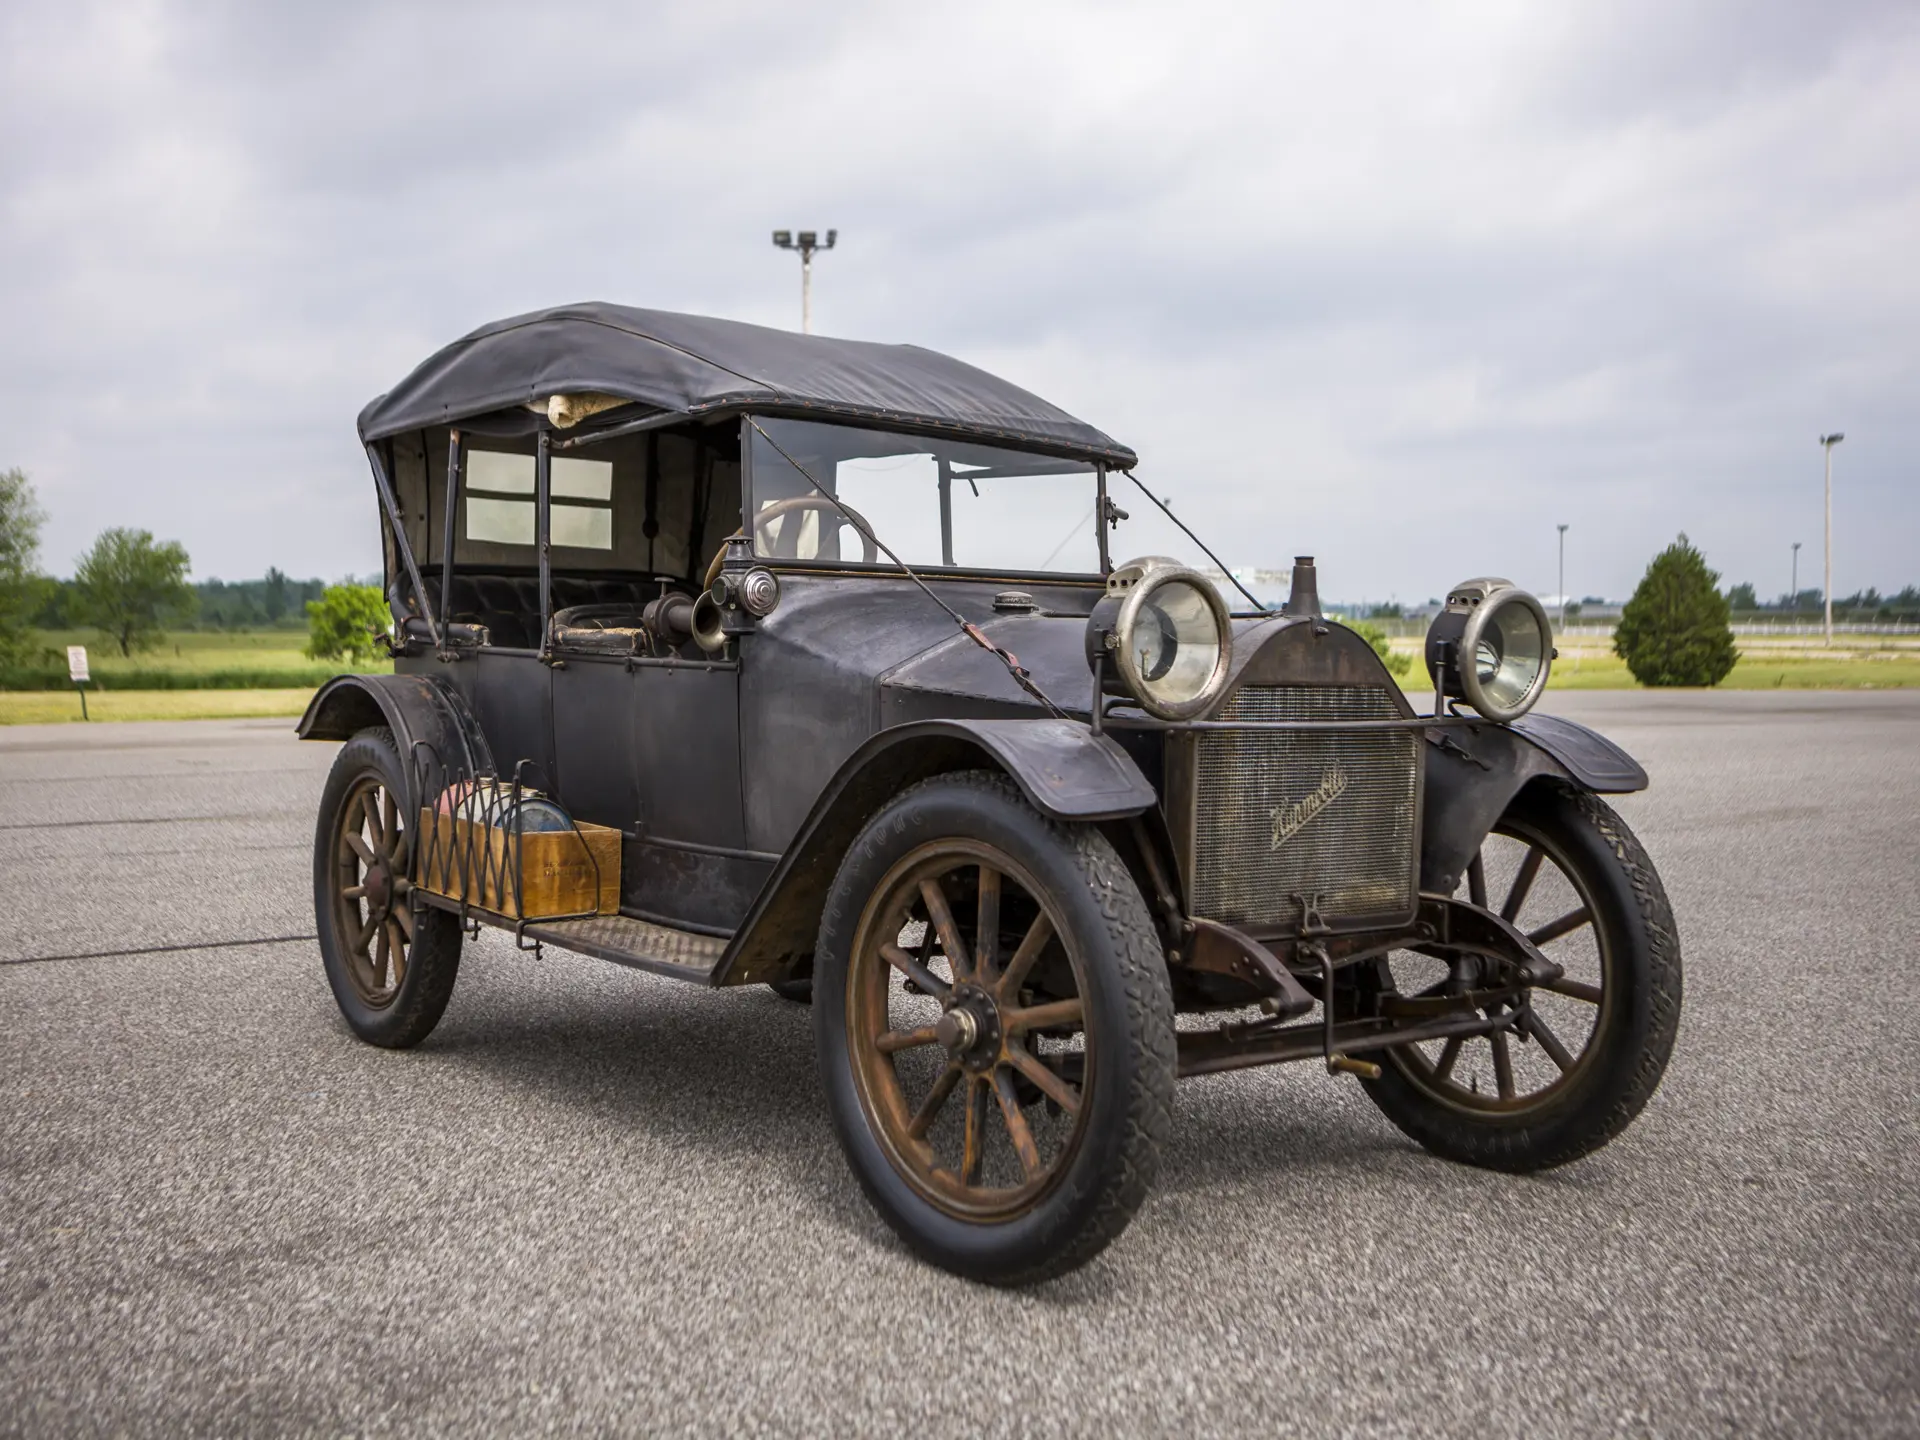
(1072,977)
(391,970)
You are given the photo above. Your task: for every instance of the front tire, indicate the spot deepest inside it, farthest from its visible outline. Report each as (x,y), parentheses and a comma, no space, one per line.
(995,1030)
(1580,1057)
(391,969)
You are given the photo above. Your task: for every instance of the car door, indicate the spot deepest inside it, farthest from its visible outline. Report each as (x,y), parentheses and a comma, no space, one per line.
(651,747)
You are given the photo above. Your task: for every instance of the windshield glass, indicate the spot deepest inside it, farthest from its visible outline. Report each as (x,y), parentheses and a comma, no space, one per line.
(936,503)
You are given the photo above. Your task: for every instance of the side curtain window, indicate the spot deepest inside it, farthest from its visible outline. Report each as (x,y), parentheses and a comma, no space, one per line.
(500,493)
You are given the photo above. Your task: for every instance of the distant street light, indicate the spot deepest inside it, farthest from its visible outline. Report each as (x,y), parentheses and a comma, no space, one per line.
(806,244)
(1827,442)
(1795,590)
(1563,577)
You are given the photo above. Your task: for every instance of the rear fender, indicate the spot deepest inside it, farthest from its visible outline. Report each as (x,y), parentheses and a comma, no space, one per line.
(420,712)
(1474,771)
(1061,766)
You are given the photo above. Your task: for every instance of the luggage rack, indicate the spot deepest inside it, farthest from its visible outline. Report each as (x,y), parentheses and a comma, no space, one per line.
(475,856)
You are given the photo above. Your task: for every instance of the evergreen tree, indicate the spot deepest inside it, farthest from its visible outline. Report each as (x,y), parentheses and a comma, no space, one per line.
(1674,630)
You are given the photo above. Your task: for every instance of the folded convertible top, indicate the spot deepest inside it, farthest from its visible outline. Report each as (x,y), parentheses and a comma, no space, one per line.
(695,365)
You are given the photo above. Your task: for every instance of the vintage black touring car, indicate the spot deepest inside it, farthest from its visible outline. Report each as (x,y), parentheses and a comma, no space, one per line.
(753,658)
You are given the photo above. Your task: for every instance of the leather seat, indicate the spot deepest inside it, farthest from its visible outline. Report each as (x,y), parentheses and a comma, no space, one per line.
(600,629)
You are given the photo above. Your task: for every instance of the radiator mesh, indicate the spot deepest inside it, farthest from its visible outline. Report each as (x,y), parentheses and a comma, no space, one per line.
(1280,814)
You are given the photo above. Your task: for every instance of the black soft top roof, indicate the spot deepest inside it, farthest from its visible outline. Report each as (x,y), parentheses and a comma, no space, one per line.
(695,365)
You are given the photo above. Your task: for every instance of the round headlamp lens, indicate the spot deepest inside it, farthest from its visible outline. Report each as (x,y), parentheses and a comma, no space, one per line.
(1518,646)
(1175,643)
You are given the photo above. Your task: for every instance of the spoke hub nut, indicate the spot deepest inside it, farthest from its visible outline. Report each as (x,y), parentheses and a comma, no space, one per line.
(970,1028)
(957,1030)
(379,888)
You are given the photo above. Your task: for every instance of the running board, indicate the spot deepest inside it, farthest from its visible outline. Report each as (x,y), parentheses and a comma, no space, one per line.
(639,943)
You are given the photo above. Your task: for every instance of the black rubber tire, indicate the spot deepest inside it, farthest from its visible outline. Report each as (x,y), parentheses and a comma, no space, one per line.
(1131,1001)
(433,961)
(1637,1032)
(800,991)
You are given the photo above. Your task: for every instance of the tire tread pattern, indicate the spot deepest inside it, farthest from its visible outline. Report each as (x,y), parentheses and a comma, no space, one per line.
(1131,944)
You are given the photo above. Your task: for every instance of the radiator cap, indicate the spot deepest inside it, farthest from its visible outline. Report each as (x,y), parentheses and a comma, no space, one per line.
(1304,600)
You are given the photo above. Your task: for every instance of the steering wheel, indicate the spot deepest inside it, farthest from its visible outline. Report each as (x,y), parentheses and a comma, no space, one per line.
(789,541)
(787,546)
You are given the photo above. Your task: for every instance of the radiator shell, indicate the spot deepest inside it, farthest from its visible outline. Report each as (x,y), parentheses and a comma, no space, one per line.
(1263,817)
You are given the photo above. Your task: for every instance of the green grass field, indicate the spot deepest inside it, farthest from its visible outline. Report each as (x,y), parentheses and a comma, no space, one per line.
(188,660)
(190,650)
(1870,665)
(53,707)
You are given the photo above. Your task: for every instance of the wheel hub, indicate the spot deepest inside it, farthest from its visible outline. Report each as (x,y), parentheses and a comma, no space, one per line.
(970,1028)
(379,883)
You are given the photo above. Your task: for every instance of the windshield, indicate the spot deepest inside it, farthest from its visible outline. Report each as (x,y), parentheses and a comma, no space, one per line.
(936,503)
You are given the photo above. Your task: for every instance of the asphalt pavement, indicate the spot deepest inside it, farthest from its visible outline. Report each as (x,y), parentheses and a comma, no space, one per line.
(598,1201)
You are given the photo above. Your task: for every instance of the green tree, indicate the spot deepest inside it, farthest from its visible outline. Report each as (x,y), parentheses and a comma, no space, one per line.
(1741,597)
(1399,664)
(275,600)
(130,588)
(22,590)
(1674,630)
(344,623)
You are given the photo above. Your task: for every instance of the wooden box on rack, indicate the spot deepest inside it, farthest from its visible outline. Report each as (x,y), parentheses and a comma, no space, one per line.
(467,861)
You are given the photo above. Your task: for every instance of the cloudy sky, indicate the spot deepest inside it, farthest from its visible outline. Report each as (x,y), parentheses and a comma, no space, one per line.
(1401,285)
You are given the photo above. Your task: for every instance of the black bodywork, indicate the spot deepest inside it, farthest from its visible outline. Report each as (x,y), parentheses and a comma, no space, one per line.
(737,778)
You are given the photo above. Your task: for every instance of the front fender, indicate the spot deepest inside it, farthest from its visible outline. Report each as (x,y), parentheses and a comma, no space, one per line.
(1061,766)
(1474,771)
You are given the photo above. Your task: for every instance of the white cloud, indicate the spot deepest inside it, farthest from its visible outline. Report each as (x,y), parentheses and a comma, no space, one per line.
(1401,284)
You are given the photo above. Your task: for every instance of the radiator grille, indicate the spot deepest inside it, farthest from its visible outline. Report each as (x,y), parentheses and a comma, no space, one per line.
(1280,814)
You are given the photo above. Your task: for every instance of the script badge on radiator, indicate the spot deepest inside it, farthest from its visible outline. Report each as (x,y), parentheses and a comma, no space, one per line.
(1290,820)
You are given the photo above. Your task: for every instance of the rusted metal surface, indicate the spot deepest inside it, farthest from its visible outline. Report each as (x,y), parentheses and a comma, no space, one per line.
(637,943)
(1217,949)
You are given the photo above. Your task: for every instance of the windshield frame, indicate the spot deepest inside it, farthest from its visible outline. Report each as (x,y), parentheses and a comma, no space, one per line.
(749,444)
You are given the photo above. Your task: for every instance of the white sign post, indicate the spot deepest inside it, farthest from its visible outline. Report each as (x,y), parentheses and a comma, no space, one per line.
(77,671)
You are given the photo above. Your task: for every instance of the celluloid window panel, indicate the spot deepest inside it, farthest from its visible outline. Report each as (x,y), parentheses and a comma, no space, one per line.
(501,522)
(579,479)
(493,475)
(501,473)
(582,527)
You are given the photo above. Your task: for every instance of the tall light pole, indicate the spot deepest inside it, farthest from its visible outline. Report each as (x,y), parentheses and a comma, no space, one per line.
(1795,591)
(807,242)
(1563,577)
(1827,442)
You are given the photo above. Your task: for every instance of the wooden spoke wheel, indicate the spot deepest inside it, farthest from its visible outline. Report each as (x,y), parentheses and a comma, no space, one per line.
(391,968)
(995,1029)
(1569,1062)
(967,1031)
(372,851)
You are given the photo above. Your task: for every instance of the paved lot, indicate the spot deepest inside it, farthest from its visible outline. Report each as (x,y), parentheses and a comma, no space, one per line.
(600,1201)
